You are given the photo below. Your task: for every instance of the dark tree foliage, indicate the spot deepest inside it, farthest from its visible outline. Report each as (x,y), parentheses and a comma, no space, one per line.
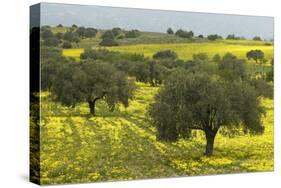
(59,35)
(156,73)
(214,37)
(232,68)
(134,65)
(71,36)
(184,34)
(51,53)
(125,66)
(111,56)
(117,31)
(74,26)
(217,58)
(52,41)
(45,27)
(141,71)
(270,74)
(108,39)
(132,34)
(66,45)
(262,87)
(197,101)
(46,34)
(198,63)
(49,38)
(49,70)
(200,36)
(165,54)
(149,72)
(90,54)
(232,37)
(170,63)
(81,31)
(256,55)
(257,38)
(121,36)
(91,82)
(90,32)
(108,42)
(51,60)
(200,58)
(170,31)
(192,66)
(134,57)
(108,35)
(60,25)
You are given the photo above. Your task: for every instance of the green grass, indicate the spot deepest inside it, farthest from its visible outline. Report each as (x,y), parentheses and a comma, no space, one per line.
(122,145)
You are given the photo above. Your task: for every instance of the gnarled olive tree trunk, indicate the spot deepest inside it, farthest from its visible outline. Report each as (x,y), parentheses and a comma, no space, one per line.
(210,138)
(92,104)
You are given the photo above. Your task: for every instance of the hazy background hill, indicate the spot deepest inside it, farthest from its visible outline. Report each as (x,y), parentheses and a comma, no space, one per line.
(156,20)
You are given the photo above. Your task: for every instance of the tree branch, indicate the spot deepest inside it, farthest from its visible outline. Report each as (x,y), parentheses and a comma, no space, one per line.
(197,128)
(97,98)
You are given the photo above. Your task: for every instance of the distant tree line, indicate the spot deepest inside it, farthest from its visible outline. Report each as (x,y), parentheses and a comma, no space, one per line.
(189,35)
(75,34)
(233,37)
(109,37)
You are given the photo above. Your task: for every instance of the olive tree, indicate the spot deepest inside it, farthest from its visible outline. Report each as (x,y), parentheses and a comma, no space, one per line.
(132,34)
(270,74)
(51,61)
(184,34)
(232,68)
(90,82)
(46,33)
(214,37)
(216,58)
(141,71)
(165,54)
(257,38)
(108,39)
(66,45)
(108,42)
(71,36)
(256,55)
(200,57)
(170,31)
(262,87)
(90,32)
(149,72)
(197,101)
(116,31)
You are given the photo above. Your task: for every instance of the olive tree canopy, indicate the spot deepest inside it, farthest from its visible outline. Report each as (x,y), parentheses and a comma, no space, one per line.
(90,82)
(197,101)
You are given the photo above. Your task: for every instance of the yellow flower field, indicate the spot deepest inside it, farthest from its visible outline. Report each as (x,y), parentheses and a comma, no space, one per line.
(122,145)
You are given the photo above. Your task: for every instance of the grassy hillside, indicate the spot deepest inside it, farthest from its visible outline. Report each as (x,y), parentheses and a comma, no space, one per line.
(152,38)
(122,145)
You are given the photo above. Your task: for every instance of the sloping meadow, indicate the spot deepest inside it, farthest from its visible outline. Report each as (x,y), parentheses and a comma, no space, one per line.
(122,145)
